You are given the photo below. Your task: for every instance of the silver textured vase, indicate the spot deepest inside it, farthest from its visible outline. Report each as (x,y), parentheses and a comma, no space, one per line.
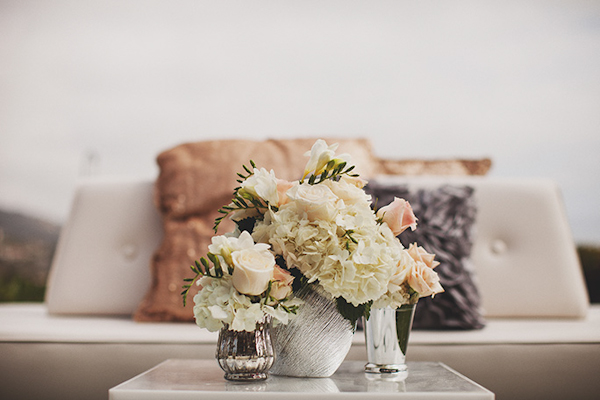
(246,356)
(386,334)
(315,343)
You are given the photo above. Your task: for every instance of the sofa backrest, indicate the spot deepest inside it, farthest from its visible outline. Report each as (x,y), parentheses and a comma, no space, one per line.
(102,260)
(523,253)
(524,256)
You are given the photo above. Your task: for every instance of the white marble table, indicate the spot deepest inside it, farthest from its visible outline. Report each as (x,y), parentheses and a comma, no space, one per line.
(203,379)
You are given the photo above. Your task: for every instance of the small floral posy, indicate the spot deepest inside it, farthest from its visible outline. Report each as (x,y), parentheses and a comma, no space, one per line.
(321,229)
(240,283)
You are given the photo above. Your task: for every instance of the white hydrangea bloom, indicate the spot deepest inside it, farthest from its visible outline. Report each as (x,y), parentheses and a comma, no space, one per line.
(398,292)
(350,254)
(245,318)
(215,294)
(219,303)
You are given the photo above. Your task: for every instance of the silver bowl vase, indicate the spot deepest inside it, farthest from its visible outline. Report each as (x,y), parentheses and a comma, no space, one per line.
(315,343)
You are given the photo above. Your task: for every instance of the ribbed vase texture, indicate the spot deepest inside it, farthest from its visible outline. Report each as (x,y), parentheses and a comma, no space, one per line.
(386,334)
(315,343)
(246,356)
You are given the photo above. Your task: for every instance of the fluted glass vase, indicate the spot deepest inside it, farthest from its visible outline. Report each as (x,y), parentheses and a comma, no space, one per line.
(386,334)
(246,356)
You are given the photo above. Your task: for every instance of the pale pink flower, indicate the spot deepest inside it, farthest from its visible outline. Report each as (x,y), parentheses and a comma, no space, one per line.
(398,215)
(282,187)
(282,285)
(418,253)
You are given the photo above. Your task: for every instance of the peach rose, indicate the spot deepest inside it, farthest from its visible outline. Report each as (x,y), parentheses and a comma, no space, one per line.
(418,253)
(253,269)
(398,215)
(282,187)
(424,280)
(282,285)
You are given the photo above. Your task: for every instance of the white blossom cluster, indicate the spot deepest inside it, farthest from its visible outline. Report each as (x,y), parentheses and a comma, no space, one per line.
(257,287)
(331,234)
(326,228)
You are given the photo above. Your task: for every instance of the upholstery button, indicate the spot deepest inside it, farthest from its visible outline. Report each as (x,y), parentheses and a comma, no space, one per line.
(129,251)
(498,247)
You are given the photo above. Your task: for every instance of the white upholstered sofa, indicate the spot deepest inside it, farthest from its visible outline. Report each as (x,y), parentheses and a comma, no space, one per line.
(542,338)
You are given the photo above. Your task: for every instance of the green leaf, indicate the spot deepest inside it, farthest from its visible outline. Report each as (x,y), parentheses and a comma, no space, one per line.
(352,312)
(215,260)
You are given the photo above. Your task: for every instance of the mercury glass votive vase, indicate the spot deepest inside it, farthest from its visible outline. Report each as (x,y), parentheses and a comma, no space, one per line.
(246,356)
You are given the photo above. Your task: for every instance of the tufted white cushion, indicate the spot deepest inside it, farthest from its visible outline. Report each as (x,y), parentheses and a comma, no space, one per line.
(102,260)
(523,253)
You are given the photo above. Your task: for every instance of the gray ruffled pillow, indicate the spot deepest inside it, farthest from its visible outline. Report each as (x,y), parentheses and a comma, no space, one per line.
(446,218)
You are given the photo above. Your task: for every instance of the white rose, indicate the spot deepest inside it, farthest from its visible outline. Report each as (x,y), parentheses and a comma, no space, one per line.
(253,269)
(318,201)
(354,180)
(350,193)
(262,184)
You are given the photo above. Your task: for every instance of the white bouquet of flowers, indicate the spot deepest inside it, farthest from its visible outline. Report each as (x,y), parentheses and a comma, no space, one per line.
(320,229)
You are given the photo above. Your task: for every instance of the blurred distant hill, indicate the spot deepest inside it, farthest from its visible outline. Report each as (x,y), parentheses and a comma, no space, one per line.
(27,246)
(23,227)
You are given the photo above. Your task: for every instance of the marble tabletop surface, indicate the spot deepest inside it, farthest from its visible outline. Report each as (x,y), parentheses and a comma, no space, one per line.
(193,379)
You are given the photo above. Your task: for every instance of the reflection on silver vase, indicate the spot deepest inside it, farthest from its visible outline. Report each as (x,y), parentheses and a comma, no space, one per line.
(386,333)
(246,356)
(316,341)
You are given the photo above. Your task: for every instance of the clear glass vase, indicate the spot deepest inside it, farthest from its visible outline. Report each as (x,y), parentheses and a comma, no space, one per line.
(386,334)
(246,356)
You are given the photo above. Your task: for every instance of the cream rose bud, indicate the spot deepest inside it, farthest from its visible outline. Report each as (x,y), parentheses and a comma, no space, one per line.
(354,180)
(282,285)
(398,215)
(318,201)
(320,154)
(418,253)
(262,184)
(253,269)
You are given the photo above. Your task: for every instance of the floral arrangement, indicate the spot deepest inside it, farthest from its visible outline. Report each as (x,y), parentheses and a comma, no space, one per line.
(321,229)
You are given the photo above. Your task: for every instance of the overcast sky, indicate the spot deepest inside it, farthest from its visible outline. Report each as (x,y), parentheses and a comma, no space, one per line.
(116,82)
